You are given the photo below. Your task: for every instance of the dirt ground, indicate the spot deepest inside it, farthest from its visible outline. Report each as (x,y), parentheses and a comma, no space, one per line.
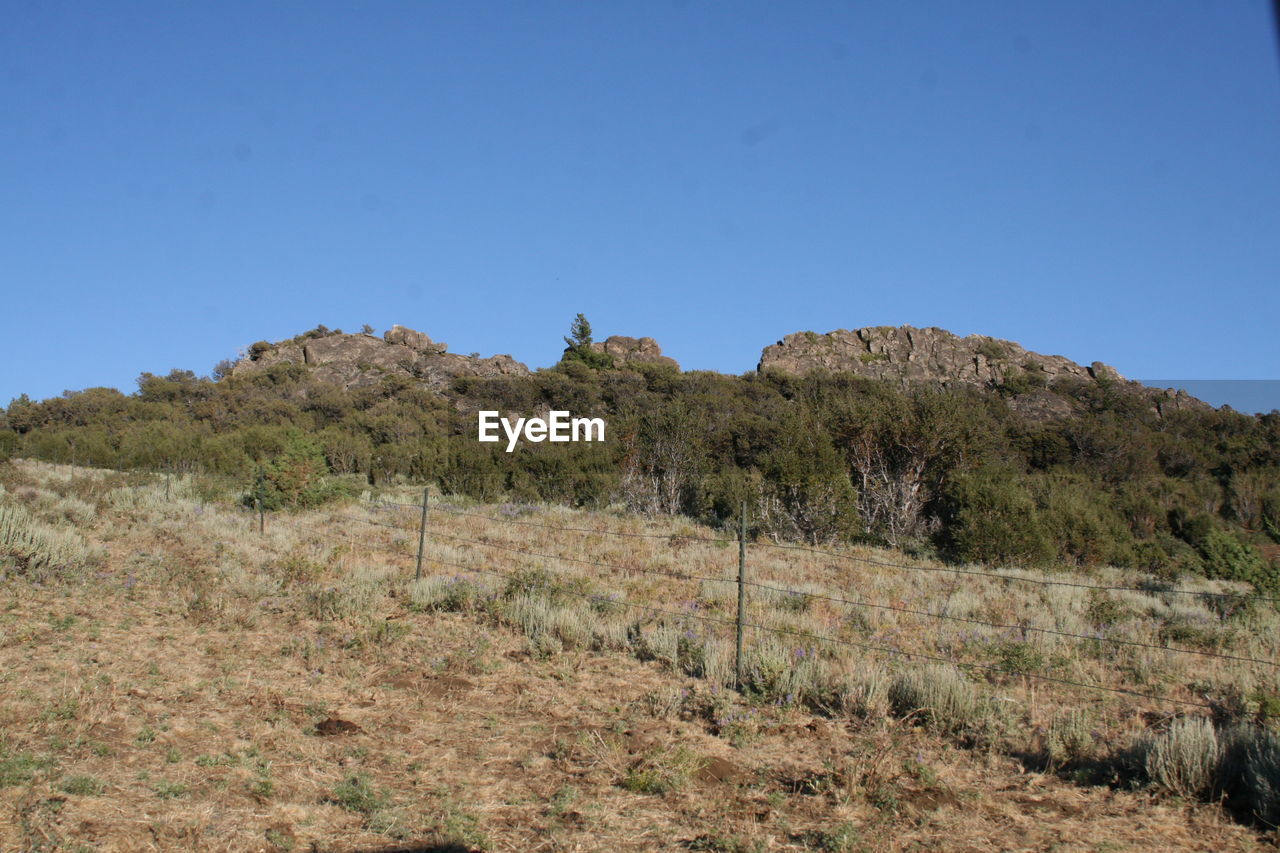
(202,735)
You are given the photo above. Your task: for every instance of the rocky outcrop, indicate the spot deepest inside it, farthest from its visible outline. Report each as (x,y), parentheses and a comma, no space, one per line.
(353,361)
(416,341)
(906,354)
(932,354)
(625,351)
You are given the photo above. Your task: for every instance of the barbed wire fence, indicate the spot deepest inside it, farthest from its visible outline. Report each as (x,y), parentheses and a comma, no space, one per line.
(428,534)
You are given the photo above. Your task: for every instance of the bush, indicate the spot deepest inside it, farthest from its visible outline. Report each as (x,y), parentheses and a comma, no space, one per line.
(806,494)
(449,594)
(1227,558)
(36,548)
(940,694)
(1185,759)
(1070,739)
(990,517)
(297,478)
(1251,772)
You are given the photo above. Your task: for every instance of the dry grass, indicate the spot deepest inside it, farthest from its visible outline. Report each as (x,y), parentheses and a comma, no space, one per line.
(184,687)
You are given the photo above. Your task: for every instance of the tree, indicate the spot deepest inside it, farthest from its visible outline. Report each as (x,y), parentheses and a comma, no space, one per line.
(579,333)
(579,346)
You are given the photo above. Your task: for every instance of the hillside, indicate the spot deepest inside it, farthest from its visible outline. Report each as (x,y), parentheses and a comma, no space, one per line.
(963,448)
(174,680)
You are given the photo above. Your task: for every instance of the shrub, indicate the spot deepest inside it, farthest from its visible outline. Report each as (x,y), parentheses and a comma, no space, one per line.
(991,517)
(805,492)
(992,349)
(1227,558)
(940,694)
(1251,772)
(450,594)
(36,548)
(1185,759)
(82,786)
(662,770)
(1070,739)
(297,478)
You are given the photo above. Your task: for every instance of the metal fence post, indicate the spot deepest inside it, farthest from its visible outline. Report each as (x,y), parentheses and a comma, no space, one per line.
(422,536)
(742,590)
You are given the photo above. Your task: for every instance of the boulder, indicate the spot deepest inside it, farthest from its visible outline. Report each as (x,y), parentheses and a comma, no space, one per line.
(626,350)
(414,340)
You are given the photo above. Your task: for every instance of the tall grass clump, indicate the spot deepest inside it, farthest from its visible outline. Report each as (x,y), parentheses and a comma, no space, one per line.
(943,698)
(36,548)
(453,594)
(354,598)
(778,671)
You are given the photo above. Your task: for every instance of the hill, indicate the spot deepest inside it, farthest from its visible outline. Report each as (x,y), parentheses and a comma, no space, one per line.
(965,448)
(562,678)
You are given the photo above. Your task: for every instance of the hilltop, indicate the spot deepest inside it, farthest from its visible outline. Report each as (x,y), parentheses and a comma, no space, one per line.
(905,354)
(902,354)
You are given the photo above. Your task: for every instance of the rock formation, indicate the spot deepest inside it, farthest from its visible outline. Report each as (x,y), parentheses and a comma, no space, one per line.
(906,354)
(353,361)
(625,351)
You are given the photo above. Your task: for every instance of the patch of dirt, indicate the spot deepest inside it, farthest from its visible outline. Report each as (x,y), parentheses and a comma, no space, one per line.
(334,726)
(720,770)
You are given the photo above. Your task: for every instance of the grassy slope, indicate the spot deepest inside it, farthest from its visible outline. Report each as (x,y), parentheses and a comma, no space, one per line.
(167,696)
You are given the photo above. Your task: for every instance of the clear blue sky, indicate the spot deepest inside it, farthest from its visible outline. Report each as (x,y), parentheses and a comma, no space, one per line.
(1095,179)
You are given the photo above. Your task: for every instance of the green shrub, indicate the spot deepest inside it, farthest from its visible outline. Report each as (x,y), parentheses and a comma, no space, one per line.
(805,491)
(1227,558)
(1070,737)
(82,786)
(457,593)
(297,478)
(992,349)
(662,770)
(989,516)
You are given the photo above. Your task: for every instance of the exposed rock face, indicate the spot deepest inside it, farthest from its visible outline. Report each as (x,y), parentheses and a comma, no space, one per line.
(625,350)
(907,354)
(353,361)
(413,340)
